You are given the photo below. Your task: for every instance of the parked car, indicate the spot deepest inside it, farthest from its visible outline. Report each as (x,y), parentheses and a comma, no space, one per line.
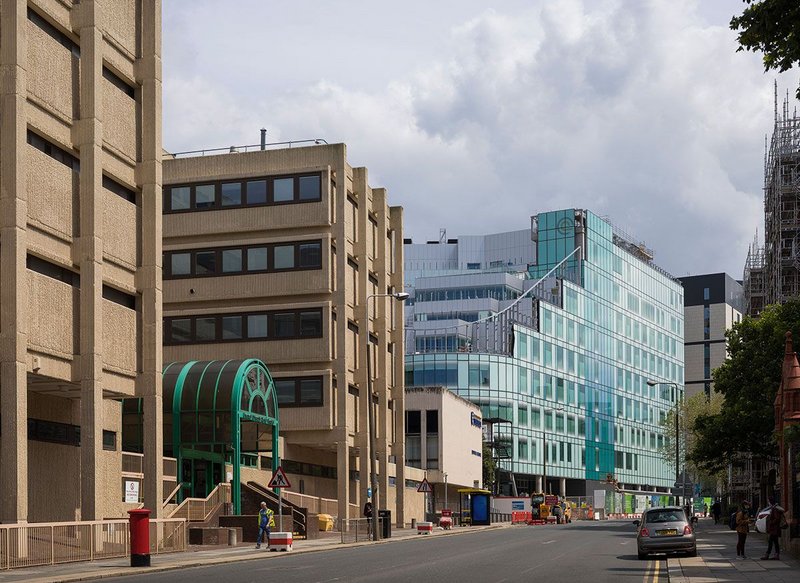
(761,519)
(665,530)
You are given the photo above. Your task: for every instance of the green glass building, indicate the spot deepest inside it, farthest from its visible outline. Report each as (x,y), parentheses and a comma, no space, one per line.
(561,370)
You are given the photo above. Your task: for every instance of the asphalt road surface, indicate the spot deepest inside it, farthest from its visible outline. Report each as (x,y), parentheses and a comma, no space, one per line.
(589,552)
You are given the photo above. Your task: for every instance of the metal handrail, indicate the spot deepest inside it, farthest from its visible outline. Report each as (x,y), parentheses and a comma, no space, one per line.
(189,508)
(171,495)
(246,148)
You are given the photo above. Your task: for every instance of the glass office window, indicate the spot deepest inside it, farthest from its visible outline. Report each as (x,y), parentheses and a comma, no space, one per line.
(231,193)
(283,189)
(256,192)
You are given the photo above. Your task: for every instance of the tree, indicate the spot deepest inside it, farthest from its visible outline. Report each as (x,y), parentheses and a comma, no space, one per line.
(773,28)
(748,381)
(489,467)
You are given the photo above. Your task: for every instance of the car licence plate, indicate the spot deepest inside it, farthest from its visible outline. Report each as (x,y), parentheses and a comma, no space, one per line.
(667,532)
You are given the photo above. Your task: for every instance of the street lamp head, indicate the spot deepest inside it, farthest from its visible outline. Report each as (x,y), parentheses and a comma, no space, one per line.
(651,383)
(401,296)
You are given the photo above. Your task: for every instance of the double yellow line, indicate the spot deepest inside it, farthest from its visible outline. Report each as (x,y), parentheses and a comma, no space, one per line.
(653,572)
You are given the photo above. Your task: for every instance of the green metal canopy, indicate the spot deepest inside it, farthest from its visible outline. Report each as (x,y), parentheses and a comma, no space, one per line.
(216,412)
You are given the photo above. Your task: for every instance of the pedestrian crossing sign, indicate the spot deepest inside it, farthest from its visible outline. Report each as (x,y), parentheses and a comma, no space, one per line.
(279,479)
(425,486)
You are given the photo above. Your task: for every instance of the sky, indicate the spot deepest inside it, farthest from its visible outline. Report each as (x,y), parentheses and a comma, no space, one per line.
(476,115)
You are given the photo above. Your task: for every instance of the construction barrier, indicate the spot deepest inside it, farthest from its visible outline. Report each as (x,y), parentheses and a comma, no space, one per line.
(520,517)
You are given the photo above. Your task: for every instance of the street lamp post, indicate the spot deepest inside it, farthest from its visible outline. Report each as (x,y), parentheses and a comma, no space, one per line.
(401,297)
(677,440)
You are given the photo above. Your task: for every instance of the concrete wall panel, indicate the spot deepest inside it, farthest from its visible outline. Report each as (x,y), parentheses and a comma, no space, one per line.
(53,73)
(119,338)
(120,230)
(119,121)
(53,188)
(53,316)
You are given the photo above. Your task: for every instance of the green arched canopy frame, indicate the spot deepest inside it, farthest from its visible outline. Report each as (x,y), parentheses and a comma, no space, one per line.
(217,410)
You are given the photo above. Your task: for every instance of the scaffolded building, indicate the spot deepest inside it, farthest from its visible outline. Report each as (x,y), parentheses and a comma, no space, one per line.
(753,280)
(782,208)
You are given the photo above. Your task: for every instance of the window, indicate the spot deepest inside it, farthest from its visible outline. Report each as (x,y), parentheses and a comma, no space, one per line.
(299,391)
(119,82)
(305,255)
(55,152)
(413,439)
(109,440)
(53,271)
(283,257)
(706,294)
(252,192)
(118,189)
(256,192)
(242,327)
(231,193)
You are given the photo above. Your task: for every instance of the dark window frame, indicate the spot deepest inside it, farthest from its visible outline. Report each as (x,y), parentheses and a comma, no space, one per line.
(119,82)
(298,401)
(245,270)
(271,336)
(119,189)
(217,204)
(55,151)
(53,271)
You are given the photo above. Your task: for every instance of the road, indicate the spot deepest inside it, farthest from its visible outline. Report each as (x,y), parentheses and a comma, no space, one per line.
(589,552)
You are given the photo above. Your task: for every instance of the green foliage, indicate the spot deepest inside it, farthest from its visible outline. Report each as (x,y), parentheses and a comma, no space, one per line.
(748,381)
(773,28)
(489,467)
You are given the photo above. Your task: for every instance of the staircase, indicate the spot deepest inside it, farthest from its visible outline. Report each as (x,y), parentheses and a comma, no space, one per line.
(252,495)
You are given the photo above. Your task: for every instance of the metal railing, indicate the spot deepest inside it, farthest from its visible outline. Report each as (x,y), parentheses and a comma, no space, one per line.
(53,543)
(318,504)
(199,509)
(355,530)
(247,148)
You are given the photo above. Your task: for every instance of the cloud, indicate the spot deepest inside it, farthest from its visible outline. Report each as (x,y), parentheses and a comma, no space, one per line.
(641,111)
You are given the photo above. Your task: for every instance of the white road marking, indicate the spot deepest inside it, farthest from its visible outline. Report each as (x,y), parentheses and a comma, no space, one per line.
(547,542)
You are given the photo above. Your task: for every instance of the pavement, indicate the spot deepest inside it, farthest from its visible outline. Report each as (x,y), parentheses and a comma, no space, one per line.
(716,559)
(198,556)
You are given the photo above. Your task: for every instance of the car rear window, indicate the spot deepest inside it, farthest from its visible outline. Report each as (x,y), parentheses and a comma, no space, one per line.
(664,516)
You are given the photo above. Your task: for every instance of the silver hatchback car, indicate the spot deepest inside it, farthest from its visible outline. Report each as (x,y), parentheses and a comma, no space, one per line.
(665,530)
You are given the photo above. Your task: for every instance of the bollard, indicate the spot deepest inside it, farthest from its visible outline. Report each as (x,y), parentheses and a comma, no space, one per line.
(232,540)
(140,537)
(413,523)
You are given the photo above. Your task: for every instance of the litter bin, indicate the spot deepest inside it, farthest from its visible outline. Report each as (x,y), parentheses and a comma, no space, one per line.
(325,522)
(386,523)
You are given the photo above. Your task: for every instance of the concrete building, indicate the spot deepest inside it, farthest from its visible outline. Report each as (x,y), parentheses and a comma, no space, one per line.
(712,304)
(443,435)
(558,357)
(80,253)
(274,254)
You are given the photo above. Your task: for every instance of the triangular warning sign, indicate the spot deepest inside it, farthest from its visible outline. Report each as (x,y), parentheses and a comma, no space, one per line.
(425,486)
(279,479)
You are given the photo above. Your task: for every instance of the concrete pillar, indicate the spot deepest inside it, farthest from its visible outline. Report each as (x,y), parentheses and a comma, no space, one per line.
(13,276)
(88,137)
(562,487)
(148,381)
(539,484)
(343,471)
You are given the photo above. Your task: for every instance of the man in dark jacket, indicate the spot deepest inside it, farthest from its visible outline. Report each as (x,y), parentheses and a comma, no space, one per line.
(775,521)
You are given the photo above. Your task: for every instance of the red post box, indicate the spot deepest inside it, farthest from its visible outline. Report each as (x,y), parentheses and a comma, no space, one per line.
(140,537)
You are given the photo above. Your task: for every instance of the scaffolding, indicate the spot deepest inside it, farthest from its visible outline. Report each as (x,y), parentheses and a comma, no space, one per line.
(753,280)
(782,207)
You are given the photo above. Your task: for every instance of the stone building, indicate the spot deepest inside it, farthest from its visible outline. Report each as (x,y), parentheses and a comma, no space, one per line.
(80,252)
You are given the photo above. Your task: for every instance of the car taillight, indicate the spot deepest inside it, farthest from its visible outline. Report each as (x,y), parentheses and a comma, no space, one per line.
(687,529)
(644,532)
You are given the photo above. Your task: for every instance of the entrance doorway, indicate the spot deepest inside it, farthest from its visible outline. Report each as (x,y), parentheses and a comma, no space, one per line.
(200,476)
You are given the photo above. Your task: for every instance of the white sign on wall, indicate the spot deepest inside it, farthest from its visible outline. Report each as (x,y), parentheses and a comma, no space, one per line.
(131,492)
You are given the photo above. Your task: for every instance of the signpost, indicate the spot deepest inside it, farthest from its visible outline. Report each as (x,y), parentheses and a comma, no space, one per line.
(426,488)
(279,481)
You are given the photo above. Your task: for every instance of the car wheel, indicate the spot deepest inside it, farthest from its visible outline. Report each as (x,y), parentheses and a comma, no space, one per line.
(642,555)
(692,553)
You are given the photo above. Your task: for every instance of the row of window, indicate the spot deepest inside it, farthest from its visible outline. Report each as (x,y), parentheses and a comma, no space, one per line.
(238,193)
(298,256)
(275,325)
(65,434)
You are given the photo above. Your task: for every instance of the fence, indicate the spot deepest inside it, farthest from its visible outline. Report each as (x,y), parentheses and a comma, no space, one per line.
(355,530)
(66,542)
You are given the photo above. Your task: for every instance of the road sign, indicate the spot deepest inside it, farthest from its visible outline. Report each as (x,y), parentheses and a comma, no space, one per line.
(369,492)
(425,486)
(279,479)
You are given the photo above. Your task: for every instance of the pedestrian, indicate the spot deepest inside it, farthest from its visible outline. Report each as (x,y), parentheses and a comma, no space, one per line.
(705,510)
(716,510)
(368,515)
(742,528)
(776,520)
(266,520)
